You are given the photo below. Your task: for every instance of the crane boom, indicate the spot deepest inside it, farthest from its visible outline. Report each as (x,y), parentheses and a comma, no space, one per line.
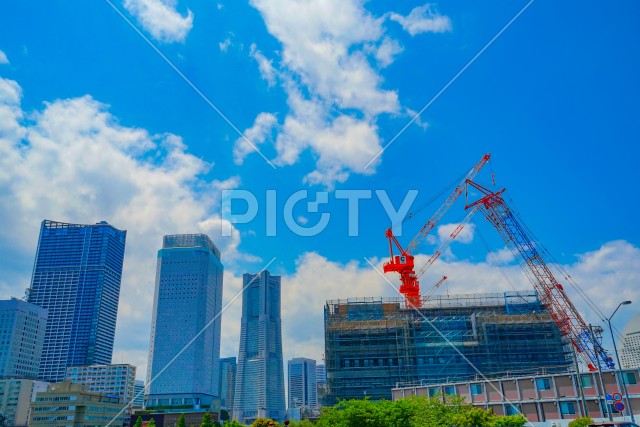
(551,293)
(404,262)
(426,229)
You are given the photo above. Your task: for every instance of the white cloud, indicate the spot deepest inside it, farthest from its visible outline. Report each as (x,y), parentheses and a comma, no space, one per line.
(262,128)
(334,92)
(3,58)
(73,162)
(387,51)
(501,256)
(224,45)
(161,19)
(423,19)
(323,45)
(264,65)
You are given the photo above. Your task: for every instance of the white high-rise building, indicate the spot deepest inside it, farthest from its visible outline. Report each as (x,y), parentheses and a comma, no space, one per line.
(186,307)
(630,350)
(302,383)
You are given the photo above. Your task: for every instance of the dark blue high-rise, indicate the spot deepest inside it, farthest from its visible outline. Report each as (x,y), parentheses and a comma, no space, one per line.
(76,276)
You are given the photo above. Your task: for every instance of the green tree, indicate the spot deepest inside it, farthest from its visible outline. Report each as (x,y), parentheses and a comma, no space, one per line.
(510,421)
(151,423)
(233,423)
(206,420)
(581,422)
(181,421)
(264,422)
(138,422)
(473,417)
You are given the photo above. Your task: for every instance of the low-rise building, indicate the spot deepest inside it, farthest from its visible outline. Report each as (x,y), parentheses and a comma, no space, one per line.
(111,380)
(66,403)
(541,397)
(16,395)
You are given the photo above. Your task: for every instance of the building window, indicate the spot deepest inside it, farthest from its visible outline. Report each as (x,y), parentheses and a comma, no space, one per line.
(450,390)
(585,381)
(543,383)
(476,389)
(511,410)
(629,378)
(433,392)
(567,408)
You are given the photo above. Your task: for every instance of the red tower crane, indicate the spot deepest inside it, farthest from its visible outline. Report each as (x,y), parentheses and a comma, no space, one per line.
(551,293)
(404,262)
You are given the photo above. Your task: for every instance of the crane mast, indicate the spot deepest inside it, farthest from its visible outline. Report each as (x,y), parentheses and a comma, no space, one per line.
(404,262)
(551,293)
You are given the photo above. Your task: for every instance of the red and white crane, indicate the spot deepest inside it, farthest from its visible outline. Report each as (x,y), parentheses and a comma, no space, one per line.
(403,263)
(551,293)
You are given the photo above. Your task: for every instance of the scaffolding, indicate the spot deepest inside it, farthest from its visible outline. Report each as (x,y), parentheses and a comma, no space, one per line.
(372,344)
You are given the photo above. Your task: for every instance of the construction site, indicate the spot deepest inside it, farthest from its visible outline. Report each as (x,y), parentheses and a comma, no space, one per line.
(375,344)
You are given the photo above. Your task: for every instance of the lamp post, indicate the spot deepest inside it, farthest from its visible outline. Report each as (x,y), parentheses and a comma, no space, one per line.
(615,350)
(604,387)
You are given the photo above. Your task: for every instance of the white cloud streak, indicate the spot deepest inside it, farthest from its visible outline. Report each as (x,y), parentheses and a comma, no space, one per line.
(161,19)
(423,19)
(3,58)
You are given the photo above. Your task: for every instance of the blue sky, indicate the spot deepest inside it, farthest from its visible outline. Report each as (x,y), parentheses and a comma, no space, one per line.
(95,124)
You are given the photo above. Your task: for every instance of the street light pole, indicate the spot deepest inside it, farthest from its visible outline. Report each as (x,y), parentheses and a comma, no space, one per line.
(615,350)
(604,387)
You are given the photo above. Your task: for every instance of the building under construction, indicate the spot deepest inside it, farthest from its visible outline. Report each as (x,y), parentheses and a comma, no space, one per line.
(373,344)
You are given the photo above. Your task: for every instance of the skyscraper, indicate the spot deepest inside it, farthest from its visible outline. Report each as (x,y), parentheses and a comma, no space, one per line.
(186,307)
(302,383)
(260,374)
(22,327)
(76,277)
(227,382)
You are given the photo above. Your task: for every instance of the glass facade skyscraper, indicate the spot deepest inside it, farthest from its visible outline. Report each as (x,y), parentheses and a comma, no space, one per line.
(22,328)
(76,277)
(302,383)
(260,373)
(185,330)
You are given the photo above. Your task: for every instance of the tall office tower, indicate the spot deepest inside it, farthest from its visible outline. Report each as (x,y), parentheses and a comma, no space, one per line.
(260,375)
(227,382)
(188,299)
(22,327)
(302,383)
(76,276)
(630,351)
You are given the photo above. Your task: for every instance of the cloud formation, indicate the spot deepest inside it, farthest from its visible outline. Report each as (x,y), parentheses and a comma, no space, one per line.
(3,58)
(329,67)
(423,19)
(161,19)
